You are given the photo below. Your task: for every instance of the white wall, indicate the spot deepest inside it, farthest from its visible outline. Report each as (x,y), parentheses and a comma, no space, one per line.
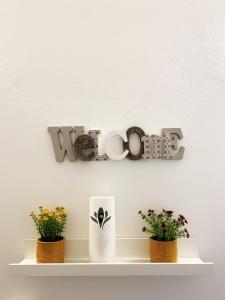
(110,65)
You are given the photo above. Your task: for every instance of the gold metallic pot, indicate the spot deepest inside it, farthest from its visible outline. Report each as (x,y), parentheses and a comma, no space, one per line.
(50,252)
(163,251)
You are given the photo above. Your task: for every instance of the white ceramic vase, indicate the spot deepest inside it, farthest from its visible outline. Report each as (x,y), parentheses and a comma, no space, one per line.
(102,229)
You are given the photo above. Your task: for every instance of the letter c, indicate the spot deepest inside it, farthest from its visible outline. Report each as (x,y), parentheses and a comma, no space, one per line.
(108,149)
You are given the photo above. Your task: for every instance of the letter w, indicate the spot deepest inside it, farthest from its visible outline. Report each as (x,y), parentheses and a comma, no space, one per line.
(61,148)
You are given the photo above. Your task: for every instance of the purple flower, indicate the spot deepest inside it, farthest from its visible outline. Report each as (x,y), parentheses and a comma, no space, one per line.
(163,225)
(169,213)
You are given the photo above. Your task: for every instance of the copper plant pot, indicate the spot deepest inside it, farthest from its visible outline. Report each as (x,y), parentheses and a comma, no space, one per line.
(50,252)
(163,251)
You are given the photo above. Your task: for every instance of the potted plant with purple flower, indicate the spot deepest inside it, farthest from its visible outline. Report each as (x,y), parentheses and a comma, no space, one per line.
(164,230)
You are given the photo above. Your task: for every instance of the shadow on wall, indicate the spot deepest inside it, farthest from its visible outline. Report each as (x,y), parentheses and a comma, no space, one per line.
(119,288)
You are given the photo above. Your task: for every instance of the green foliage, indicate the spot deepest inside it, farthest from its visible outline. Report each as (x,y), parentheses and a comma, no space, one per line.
(50,224)
(163,227)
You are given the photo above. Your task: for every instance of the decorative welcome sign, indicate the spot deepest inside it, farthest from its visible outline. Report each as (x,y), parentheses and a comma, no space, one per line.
(85,146)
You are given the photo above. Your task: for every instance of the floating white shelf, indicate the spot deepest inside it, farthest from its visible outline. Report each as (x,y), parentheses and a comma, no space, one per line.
(131,260)
(184,267)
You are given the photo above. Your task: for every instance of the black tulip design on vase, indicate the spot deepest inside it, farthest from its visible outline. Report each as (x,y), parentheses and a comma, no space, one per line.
(101,217)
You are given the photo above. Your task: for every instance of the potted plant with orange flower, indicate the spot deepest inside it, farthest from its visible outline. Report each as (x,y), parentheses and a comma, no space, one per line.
(50,225)
(164,230)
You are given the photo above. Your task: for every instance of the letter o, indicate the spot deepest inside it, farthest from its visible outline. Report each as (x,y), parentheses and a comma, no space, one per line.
(140,132)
